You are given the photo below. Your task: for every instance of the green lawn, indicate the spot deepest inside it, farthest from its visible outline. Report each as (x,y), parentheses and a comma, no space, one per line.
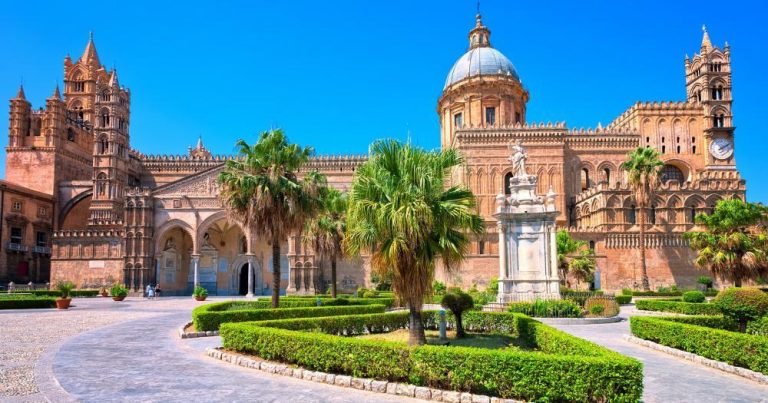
(479,340)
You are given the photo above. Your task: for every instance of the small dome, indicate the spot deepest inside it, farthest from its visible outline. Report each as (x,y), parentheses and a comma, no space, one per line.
(480,61)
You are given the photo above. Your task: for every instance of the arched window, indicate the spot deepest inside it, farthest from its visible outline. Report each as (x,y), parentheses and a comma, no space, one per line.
(70,134)
(693,215)
(607,174)
(507,186)
(103,144)
(101,184)
(105,96)
(652,215)
(631,215)
(104,118)
(584,179)
(718,120)
(671,172)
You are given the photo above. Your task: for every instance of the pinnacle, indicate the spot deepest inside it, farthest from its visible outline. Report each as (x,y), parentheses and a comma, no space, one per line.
(20,94)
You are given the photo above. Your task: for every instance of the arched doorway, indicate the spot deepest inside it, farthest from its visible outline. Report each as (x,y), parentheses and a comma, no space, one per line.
(243,285)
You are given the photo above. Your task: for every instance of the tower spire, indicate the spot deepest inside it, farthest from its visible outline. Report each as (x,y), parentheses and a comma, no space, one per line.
(89,54)
(20,94)
(56,93)
(706,43)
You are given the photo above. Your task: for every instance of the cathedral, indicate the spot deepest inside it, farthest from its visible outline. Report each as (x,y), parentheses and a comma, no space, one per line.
(85,206)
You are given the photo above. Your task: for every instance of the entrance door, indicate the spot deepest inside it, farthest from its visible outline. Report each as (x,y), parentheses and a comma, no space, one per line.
(243,289)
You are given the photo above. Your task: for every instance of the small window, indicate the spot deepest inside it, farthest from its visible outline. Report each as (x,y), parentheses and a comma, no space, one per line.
(41,239)
(693,215)
(507,185)
(70,135)
(490,115)
(517,117)
(607,173)
(663,149)
(17,206)
(15,235)
(79,86)
(631,215)
(458,120)
(42,211)
(652,215)
(592,246)
(481,247)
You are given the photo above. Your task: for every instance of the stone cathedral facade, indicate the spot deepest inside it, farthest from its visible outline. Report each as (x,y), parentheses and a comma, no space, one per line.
(123,216)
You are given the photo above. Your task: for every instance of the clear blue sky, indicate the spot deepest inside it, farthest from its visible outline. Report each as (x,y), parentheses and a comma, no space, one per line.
(337,75)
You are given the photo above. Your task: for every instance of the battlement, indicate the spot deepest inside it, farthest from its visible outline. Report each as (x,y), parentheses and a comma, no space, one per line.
(655,106)
(92,234)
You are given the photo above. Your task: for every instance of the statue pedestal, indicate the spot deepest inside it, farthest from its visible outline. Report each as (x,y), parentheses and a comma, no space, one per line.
(527,243)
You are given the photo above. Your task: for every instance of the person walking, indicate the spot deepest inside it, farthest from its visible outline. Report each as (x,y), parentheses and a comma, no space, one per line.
(150,291)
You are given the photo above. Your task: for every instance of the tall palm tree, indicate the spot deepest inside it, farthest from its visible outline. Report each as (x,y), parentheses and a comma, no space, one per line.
(642,167)
(403,212)
(325,231)
(261,190)
(733,244)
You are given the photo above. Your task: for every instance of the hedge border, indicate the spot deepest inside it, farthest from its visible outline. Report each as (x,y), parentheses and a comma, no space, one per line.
(566,368)
(206,318)
(695,335)
(27,303)
(56,293)
(677,306)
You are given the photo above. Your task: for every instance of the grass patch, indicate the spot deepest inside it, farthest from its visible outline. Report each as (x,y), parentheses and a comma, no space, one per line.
(493,341)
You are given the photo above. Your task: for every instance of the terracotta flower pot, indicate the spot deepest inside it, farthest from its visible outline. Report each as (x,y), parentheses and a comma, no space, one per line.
(62,303)
(200,298)
(118,298)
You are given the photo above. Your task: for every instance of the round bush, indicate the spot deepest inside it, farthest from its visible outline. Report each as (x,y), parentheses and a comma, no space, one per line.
(742,304)
(694,296)
(609,306)
(370,294)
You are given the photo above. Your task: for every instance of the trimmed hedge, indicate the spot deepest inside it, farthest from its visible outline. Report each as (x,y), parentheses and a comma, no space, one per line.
(57,293)
(565,368)
(311,300)
(739,349)
(27,303)
(758,327)
(675,306)
(205,318)
(623,299)
(709,293)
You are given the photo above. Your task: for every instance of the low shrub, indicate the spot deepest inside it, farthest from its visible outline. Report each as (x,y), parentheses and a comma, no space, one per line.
(370,294)
(581,297)
(705,281)
(626,291)
(742,304)
(694,297)
(623,299)
(65,288)
(118,290)
(739,349)
(565,368)
(200,292)
(547,309)
(602,306)
(57,293)
(205,318)
(758,327)
(389,302)
(27,302)
(676,306)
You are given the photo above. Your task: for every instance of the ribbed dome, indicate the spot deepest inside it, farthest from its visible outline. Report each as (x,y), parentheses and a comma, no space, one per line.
(480,61)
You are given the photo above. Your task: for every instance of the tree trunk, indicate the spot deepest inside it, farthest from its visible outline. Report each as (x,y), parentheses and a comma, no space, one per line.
(333,276)
(416,334)
(275,273)
(459,325)
(737,282)
(643,268)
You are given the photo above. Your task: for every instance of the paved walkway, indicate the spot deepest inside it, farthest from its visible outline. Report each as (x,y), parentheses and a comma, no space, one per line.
(670,379)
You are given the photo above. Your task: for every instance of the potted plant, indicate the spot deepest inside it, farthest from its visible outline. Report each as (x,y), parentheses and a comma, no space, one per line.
(200,293)
(119,292)
(65,288)
(705,283)
(104,292)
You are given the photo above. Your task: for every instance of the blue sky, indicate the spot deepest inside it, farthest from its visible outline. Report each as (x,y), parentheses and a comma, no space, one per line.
(337,75)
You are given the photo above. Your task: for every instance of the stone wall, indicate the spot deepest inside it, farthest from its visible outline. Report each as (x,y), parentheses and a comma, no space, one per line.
(90,259)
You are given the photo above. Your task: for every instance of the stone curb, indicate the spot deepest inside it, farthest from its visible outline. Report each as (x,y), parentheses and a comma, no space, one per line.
(367,384)
(192,335)
(722,366)
(579,321)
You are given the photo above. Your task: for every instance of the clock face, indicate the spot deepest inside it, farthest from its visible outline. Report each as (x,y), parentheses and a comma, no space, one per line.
(721,148)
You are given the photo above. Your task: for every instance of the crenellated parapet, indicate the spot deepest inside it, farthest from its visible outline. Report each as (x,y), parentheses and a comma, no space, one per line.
(628,118)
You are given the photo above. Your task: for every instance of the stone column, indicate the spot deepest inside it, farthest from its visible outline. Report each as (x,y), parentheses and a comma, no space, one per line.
(195,265)
(250,277)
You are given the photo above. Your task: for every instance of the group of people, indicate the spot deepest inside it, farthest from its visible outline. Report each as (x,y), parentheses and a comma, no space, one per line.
(153,292)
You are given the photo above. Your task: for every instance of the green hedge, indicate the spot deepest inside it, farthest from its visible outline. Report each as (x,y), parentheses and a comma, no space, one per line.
(547,308)
(739,349)
(565,368)
(758,327)
(311,300)
(709,293)
(623,299)
(206,318)
(675,306)
(57,293)
(27,303)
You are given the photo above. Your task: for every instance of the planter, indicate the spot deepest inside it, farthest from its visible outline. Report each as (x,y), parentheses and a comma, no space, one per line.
(62,303)
(104,294)
(200,298)
(118,298)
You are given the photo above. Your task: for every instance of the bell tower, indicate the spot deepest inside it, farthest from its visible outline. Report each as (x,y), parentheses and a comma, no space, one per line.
(708,82)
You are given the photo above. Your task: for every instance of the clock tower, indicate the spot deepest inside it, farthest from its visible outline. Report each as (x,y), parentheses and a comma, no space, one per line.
(708,82)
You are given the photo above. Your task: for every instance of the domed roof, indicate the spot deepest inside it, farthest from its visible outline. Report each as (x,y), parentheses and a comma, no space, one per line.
(480,61)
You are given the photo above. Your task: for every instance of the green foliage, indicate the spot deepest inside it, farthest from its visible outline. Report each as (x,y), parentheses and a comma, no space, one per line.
(733,246)
(200,292)
(493,286)
(705,280)
(438,288)
(676,306)
(210,319)
(370,294)
(547,308)
(457,303)
(10,301)
(65,288)
(609,306)
(57,293)
(626,291)
(758,327)
(383,283)
(566,368)
(574,257)
(580,297)
(623,299)
(742,350)
(404,213)
(694,296)
(118,290)
(742,304)
(325,229)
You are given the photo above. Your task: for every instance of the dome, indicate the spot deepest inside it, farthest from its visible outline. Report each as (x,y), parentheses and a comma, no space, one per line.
(480,61)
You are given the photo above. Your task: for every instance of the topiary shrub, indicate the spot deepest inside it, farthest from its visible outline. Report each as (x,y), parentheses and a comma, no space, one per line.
(457,303)
(742,304)
(694,297)
(623,299)
(609,306)
(758,327)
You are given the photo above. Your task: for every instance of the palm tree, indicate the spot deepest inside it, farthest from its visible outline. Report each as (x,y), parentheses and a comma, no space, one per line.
(642,167)
(574,257)
(403,212)
(261,190)
(733,245)
(325,231)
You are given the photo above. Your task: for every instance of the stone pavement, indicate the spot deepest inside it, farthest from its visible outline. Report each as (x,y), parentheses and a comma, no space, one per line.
(670,379)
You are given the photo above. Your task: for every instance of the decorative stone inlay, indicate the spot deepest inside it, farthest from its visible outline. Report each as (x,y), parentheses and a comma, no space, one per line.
(391,388)
(722,366)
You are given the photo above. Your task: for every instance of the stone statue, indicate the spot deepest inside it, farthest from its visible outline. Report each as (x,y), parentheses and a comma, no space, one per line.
(169,244)
(517,157)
